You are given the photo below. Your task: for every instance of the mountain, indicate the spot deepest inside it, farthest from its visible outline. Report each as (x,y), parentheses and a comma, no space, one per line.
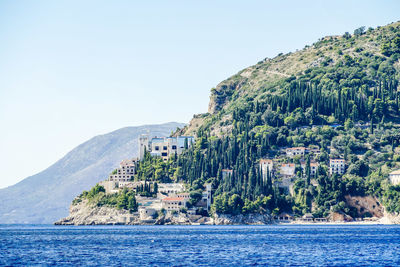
(343,68)
(45,197)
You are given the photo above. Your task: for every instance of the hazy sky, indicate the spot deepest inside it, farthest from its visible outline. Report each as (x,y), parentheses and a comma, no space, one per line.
(70,70)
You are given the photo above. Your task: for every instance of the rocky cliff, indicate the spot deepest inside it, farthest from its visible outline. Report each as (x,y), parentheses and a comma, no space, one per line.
(84,213)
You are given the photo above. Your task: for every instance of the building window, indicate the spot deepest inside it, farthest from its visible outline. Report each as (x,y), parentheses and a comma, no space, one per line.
(164,154)
(173,147)
(157,148)
(164,148)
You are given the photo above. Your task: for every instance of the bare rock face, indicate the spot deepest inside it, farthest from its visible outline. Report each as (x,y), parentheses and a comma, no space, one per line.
(253,219)
(390,218)
(84,213)
(366,204)
(182,219)
(223,92)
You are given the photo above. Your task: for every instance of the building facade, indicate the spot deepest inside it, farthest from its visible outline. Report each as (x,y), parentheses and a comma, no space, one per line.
(294,151)
(288,169)
(337,166)
(163,147)
(266,165)
(172,188)
(394,177)
(313,167)
(125,172)
(174,203)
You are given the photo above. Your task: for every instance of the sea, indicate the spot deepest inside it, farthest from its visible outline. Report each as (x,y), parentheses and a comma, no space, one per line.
(271,245)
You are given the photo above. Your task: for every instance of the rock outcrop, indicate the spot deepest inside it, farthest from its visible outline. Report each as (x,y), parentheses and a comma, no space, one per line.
(84,213)
(390,218)
(253,219)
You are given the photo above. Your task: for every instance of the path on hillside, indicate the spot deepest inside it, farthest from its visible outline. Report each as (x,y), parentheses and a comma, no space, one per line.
(277,73)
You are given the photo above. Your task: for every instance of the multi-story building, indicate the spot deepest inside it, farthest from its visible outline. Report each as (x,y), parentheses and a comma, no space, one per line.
(163,146)
(337,166)
(266,165)
(288,169)
(174,203)
(394,177)
(294,151)
(125,172)
(313,167)
(184,195)
(205,201)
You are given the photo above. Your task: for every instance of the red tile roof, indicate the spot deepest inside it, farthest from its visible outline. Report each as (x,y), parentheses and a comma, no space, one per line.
(173,199)
(288,165)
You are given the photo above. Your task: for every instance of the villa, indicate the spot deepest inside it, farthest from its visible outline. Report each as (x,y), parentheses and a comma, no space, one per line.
(163,147)
(173,188)
(174,203)
(294,151)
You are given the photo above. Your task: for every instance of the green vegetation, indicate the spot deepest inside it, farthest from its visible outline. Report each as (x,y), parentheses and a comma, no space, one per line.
(147,189)
(125,199)
(341,95)
(351,81)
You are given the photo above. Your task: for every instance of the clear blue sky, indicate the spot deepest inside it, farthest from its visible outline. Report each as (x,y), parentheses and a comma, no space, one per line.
(70,70)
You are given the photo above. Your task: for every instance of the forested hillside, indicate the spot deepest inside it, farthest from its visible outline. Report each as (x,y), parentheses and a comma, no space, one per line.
(340,95)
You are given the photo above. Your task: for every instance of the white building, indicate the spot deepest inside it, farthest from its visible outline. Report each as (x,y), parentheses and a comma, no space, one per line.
(172,188)
(288,169)
(313,167)
(163,146)
(394,177)
(205,200)
(174,203)
(265,166)
(294,151)
(337,166)
(184,195)
(125,172)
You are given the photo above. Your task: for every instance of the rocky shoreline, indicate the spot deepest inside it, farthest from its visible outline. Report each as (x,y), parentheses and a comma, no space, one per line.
(85,214)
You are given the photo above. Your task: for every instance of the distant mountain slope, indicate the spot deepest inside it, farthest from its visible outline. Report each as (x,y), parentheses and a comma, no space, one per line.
(46,196)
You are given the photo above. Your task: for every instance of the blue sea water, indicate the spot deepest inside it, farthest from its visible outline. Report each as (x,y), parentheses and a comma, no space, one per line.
(297,245)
